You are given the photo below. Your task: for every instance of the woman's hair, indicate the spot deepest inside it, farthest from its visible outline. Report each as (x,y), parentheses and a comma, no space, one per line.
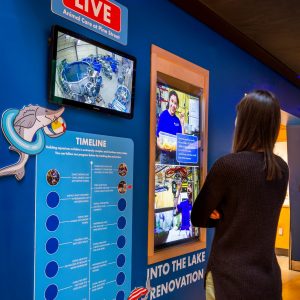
(257,127)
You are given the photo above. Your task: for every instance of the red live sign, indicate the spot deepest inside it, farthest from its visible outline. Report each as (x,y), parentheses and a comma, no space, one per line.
(103,12)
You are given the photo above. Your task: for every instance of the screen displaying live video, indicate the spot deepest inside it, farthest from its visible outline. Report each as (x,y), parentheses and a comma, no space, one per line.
(176,188)
(177,126)
(177,165)
(89,74)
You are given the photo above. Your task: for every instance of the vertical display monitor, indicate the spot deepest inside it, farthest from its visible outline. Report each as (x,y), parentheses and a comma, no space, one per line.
(177,165)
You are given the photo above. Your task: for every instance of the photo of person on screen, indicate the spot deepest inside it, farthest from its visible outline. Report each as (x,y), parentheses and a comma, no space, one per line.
(167,128)
(184,208)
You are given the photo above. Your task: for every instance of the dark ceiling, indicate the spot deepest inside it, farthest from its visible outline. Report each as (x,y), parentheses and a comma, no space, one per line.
(274,25)
(268,29)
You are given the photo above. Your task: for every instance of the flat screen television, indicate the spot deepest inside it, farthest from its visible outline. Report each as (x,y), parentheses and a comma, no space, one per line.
(177,165)
(88,74)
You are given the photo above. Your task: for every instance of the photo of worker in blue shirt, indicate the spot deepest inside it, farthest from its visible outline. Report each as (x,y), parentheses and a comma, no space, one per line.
(184,208)
(167,128)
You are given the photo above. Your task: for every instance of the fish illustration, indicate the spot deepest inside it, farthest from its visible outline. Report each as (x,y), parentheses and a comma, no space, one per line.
(24,129)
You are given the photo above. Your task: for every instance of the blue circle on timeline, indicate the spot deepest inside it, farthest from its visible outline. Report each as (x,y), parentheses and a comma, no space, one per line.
(52,223)
(122,204)
(120,278)
(120,295)
(52,245)
(121,260)
(51,292)
(52,199)
(121,223)
(51,269)
(121,241)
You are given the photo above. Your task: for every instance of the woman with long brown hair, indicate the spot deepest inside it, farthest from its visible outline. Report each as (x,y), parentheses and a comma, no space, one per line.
(242,197)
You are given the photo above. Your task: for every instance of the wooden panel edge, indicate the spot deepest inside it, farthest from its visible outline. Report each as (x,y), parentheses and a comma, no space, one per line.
(168,253)
(175,251)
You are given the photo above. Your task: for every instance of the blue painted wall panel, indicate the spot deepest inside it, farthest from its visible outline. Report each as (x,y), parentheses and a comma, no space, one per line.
(24,31)
(293,134)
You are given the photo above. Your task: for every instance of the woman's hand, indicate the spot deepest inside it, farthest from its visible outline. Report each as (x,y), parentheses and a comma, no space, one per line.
(215,215)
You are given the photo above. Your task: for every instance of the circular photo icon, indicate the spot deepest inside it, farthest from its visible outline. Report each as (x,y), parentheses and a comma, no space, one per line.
(122,170)
(53,177)
(122,187)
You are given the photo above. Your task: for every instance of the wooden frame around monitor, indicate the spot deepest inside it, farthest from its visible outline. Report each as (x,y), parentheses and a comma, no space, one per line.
(190,78)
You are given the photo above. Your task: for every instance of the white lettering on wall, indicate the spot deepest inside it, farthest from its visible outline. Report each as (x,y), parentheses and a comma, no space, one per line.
(107,10)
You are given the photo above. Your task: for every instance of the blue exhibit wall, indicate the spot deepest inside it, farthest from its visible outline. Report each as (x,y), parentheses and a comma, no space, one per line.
(293,134)
(24,31)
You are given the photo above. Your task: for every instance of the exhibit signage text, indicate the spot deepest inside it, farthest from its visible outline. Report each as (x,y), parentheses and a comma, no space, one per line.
(108,18)
(103,12)
(83,223)
(90,142)
(192,264)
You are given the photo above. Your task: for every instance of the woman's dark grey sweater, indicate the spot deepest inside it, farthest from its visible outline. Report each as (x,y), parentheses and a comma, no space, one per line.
(242,258)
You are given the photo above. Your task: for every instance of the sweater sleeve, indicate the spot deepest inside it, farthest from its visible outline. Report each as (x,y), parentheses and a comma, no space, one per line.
(210,197)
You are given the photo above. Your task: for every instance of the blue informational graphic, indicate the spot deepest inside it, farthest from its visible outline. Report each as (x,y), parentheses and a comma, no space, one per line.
(52,245)
(52,199)
(84,218)
(187,149)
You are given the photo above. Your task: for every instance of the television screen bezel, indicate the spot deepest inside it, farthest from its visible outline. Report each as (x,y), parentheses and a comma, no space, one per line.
(52,73)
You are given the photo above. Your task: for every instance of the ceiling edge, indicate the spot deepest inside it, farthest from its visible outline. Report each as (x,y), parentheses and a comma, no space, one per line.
(205,15)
